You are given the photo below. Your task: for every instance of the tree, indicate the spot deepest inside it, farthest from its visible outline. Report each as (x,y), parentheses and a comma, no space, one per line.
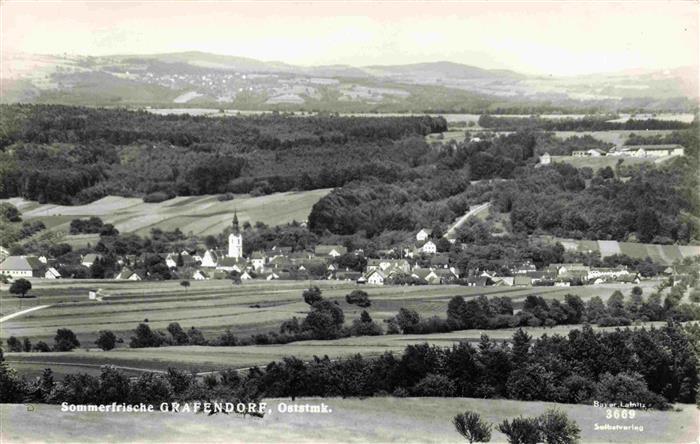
(185,284)
(178,334)
(20,286)
(312,295)
(106,340)
(472,427)
(14,344)
(26,345)
(145,337)
(65,340)
(557,428)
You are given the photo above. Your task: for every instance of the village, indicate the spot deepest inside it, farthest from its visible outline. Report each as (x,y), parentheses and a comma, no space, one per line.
(420,264)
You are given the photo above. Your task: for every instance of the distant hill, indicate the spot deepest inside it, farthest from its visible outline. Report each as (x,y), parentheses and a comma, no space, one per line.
(222,81)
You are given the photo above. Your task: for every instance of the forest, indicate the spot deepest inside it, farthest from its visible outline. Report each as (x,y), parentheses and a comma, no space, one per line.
(71,155)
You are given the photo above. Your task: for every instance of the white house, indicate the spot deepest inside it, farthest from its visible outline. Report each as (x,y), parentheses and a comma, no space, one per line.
(258,260)
(90,259)
(128,275)
(199,275)
(210,258)
(375,277)
(22,267)
(423,234)
(245,276)
(545,159)
(52,273)
(429,248)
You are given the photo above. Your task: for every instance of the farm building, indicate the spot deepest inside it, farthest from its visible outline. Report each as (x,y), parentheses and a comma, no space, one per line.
(22,267)
(521,281)
(258,259)
(588,153)
(648,151)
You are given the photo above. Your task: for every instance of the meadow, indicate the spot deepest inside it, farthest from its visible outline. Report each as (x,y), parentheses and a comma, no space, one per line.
(216,305)
(198,215)
(246,309)
(661,254)
(597,163)
(350,420)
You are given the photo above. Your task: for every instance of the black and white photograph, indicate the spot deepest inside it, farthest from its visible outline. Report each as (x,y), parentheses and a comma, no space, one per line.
(349,221)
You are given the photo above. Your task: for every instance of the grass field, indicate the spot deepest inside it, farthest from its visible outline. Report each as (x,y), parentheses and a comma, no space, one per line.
(617,137)
(207,358)
(405,420)
(213,306)
(662,254)
(199,215)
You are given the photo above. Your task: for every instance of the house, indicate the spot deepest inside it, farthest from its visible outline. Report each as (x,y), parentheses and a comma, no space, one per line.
(440,261)
(4,252)
(257,259)
(245,276)
(522,281)
(330,250)
(90,259)
(22,267)
(375,277)
(523,268)
(211,258)
(350,276)
(52,273)
(232,264)
(389,265)
(200,275)
(648,150)
(128,275)
(429,247)
(426,274)
(503,281)
(588,153)
(545,159)
(270,276)
(478,281)
(446,275)
(423,234)
(595,273)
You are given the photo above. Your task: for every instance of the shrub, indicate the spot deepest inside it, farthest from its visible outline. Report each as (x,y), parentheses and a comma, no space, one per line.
(42,347)
(435,385)
(145,337)
(65,340)
(107,340)
(225,197)
(312,295)
(472,427)
(626,387)
(359,298)
(557,428)
(14,344)
(521,430)
(611,321)
(155,197)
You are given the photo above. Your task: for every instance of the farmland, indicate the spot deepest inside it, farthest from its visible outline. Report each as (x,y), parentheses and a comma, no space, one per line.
(209,358)
(662,254)
(250,308)
(383,420)
(213,306)
(199,215)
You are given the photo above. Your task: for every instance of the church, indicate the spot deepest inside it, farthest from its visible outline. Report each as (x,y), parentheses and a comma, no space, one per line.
(235,240)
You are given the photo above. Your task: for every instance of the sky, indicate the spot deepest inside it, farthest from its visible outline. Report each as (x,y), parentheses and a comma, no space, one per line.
(545,38)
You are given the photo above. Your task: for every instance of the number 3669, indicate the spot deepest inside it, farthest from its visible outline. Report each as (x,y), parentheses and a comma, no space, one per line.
(620,414)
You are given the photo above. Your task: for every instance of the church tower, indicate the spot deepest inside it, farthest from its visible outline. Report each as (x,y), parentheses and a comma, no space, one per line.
(235,240)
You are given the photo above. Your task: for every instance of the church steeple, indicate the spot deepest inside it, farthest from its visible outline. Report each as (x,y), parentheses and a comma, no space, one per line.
(235,240)
(236,229)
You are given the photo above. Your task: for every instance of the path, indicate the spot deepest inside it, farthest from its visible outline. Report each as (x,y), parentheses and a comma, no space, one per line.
(450,234)
(23,312)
